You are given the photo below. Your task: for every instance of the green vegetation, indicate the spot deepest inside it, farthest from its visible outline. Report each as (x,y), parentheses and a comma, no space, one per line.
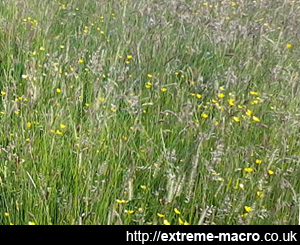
(149,112)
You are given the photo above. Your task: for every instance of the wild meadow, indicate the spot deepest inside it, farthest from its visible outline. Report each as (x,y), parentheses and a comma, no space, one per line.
(174,112)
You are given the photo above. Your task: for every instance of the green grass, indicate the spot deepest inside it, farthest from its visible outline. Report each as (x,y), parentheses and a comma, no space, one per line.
(117,112)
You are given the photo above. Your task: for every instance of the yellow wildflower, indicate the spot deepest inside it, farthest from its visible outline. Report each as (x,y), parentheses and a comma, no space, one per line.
(180,221)
(122,201)
(259,194)
(255,119)
(204,115)
(244,215)
(249,112)
(249,170)
(58,132)
(166,222)
(258,161)
(160,215)
(231,102)
(236,119)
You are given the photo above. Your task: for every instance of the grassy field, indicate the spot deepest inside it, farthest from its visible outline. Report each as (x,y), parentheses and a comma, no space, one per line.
(149,112)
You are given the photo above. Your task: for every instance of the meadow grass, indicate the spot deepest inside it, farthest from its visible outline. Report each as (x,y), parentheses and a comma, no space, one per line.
(149,112)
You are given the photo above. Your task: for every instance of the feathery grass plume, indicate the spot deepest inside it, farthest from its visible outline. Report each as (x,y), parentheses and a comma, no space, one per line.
(179,184)
(170,187)
(130,189)
(195,163)
(203,215)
